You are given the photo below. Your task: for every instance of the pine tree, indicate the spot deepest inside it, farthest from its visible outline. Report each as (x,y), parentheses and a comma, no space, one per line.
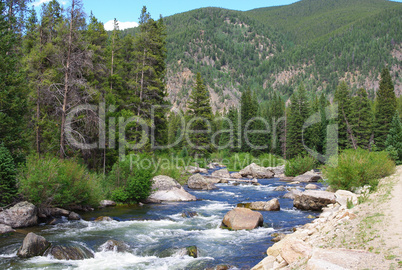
(385,110)
(13,102)
(362,119)
(346,138)
(393,143)
(249,109)
(8,173)
(200,112)
(298,113)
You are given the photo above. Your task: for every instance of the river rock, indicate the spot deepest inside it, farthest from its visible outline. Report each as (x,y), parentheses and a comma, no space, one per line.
(235,175)
(103,218)
(314,200)
(311,186)
(114,245)
(166,189)
(294,249)
(280,188)
(197,181)
(223,173)
(23,214)
(74,216)
(310,176)
(242,219)
(342,197)
(5,229)
(292,194)
(47,212)
(191,251)
(33,245)
(272,205)
(107,203)
(265,264)
(69,252)
(192,169)
(278,237)
(256,171)
(278,170)
(189,214)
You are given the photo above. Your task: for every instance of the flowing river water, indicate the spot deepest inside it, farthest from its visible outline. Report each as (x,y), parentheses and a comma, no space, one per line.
(156,232)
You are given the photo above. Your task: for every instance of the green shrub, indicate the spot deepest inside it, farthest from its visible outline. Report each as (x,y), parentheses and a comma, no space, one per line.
(357,168)
(299,165)
(130,179)
(8,187)
(55,182)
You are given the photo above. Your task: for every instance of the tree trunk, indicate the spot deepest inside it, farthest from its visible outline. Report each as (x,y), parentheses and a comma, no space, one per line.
(66,80)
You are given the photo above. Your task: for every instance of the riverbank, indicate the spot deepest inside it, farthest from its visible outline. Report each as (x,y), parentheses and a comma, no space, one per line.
(366,236)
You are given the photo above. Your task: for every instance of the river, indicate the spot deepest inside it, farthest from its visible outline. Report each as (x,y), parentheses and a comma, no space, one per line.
(155,232)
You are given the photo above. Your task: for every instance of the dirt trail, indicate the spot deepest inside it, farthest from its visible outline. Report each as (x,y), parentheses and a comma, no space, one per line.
(392,235)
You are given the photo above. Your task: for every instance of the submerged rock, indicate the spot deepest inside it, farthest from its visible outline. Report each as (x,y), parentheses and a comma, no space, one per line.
(314,200)
(33,245)
(103,218)
(242,219)
(114,245)
(23,214)
(189,214)
(191,251)
(69,252)
(197,181)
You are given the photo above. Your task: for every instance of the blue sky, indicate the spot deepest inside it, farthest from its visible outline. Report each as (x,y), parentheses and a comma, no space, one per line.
(128,11)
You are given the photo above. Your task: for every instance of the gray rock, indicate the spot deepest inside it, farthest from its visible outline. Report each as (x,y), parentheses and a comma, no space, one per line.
(23,214)
(292,194)
(272,205)
(69,252)
(307,177)
(74,216)
(191,251)
(256,171)
(163,182)
(53,212)
(107,203)
(280,188)
(113,245)
(242,219)
(314,200)
(5,229)
(311,186)
(197,181)
(235,175)
(342,197)
(33,245)
(189,214)
(278,171)
(166,189)
(223,173)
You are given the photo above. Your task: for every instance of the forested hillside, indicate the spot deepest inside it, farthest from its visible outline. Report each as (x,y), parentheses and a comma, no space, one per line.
(271,49)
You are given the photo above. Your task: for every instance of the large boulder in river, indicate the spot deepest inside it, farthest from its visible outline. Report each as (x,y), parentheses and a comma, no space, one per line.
(278,171)
(242,219)
(69,252)
(33,245)
(314,200)
(166,189)
(107,203)
(310,176)
(23,214)
(272,205)
(197,181)
(256,171)
(292,194)
(223,173)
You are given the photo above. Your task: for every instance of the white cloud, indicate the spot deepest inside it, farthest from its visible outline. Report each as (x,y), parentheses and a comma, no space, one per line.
(122,25)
